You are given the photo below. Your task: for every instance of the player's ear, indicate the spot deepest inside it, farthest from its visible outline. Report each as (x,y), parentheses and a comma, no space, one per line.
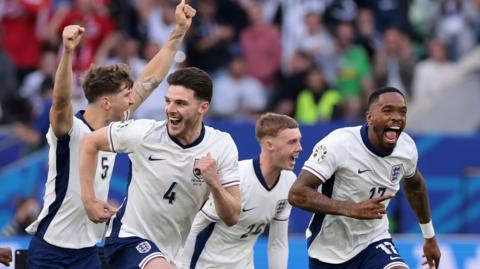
(204,106)
(105,102)
(369,118)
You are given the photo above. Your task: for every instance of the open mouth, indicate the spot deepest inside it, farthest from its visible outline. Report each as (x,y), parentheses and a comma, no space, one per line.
(391,134)
(293,158)
(174,121)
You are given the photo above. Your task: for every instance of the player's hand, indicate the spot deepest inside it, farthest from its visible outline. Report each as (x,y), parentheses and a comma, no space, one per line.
(5,256)
(99,211)
(184,14)
(206,167)
(72,34)
(431,252)
(370,209)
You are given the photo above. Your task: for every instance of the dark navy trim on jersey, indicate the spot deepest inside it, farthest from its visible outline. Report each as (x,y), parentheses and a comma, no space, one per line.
(317,221)
(368,143)
(191,145)
(62,160)
(258,173)
(200,243)
(117,221)
(79,115)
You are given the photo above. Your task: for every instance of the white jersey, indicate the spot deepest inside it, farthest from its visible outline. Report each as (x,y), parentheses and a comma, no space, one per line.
(215,245)
(354,171)
(164,193)
(63,221)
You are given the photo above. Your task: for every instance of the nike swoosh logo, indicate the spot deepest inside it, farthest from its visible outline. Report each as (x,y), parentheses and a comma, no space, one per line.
(150,158)
(394,258)
(363,171)
(245,210)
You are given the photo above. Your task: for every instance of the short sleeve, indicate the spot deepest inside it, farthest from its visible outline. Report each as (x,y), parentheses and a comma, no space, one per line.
(325,157)
(209,211)
(126,136)
(227,163)
(412,162)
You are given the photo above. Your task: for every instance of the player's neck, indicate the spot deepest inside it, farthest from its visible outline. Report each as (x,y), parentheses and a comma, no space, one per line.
(269,171)
(191,135)
(95,118)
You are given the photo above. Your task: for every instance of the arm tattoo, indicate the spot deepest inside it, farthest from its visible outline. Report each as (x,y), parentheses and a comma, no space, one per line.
(145,87)
(176,39)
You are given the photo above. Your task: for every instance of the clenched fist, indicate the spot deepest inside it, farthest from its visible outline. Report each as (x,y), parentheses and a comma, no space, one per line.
(72,34)
(183,16)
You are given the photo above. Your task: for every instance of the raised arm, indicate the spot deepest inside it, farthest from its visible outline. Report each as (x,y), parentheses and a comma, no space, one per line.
(304,195)
(156,70)
(97,210)
(416,192)
(227,200)
(61,115)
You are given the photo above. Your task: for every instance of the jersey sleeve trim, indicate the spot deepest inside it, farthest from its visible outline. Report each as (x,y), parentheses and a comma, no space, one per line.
(209,217)
(231,183)
(110,140)
(315,172)
(277,219)
(149,258)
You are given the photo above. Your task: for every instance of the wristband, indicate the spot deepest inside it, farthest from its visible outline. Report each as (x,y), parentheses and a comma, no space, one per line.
(427,230)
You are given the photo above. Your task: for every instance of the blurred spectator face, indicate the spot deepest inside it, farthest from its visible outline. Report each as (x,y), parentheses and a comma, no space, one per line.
(127,49)
(393,39)
(300,62)
(312,21)
(365,22)
(437,51)
(345,33)
(255,13)
(85,5)
(237,67)
(315,80)
(207,9)
(48,62)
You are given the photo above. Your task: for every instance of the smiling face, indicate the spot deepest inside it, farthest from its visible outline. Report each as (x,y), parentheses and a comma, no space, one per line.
(119,104)
(184,112)
(386,119)
(285,148)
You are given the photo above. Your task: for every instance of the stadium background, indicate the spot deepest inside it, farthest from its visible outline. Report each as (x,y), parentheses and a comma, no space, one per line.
(444,111)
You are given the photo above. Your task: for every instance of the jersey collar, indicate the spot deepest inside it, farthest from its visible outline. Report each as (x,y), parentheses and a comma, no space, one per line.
(79,115)
(258,173)
(368,143)
(194,143)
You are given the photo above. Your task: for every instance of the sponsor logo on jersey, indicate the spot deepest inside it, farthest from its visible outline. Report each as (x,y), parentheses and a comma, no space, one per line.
(144,247)
(281,205)
(396,173)
(319,153)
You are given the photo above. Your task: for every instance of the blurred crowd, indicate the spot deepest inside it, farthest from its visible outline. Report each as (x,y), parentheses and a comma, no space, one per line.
(316,60)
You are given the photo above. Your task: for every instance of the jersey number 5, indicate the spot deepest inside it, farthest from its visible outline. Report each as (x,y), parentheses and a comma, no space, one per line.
(104,167)
(170,194)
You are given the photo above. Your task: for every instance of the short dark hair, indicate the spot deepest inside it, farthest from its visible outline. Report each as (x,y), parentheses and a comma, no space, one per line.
(376,94)
(270,124)
(108,79)
(194,79)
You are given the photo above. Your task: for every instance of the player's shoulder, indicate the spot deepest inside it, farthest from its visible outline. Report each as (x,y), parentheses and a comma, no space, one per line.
(217,135)
(342,136)
(406,143)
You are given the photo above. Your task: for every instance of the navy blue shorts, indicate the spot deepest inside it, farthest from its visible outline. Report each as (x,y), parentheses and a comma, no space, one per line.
(44,255)
(130,252)
(379,255)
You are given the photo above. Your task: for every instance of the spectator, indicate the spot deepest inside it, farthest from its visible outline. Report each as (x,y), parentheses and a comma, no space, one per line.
(432,74)
(317,102)
(395,62)
(18,20)
(9,83)
(367,35)
(315,39)
(31,86)
(27,211)
(353,72)
(208,46)
(237,95)
(261,46)
(283,99)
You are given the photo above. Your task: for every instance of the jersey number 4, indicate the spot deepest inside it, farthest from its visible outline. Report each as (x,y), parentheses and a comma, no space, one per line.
(170,194)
